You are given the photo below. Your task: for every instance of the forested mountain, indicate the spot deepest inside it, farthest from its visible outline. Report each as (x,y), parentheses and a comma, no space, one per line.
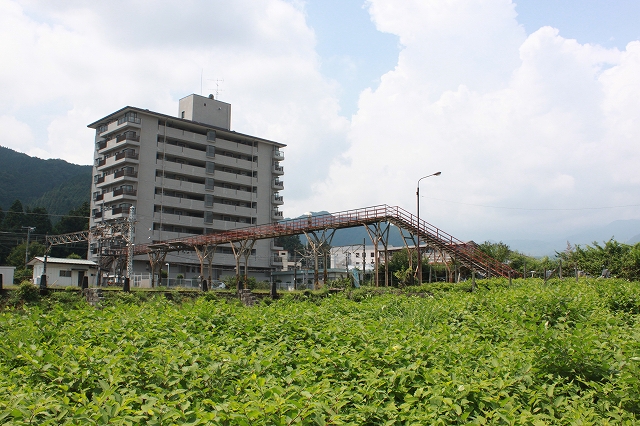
(56,185)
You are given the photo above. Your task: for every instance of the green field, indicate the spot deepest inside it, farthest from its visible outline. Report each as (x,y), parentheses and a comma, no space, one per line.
(560,353)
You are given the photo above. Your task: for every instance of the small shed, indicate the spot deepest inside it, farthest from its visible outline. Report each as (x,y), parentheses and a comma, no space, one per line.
(64,272)
(6,275)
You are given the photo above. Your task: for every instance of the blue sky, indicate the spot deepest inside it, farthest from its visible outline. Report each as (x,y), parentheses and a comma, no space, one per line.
(530,109)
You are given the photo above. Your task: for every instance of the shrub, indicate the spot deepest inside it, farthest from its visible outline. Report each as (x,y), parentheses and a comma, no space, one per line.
(26,292)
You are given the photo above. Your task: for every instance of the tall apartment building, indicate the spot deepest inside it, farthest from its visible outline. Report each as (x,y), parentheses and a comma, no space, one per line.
(186,175)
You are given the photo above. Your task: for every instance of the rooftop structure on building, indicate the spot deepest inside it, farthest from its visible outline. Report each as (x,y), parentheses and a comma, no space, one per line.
(185,175)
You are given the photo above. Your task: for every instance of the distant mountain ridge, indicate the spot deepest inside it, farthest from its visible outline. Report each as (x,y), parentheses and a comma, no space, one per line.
(56,185)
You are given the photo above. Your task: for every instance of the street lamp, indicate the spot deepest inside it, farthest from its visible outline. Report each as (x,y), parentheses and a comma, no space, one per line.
(418,224)
(167,273)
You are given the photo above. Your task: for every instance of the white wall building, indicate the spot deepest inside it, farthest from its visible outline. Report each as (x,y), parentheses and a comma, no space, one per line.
(7,273)
(64,272)
(186,175)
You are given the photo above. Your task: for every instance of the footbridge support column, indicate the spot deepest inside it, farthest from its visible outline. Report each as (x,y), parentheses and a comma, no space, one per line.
(241,249)
(320,243)
(205,253)
(156,260)
(379,234)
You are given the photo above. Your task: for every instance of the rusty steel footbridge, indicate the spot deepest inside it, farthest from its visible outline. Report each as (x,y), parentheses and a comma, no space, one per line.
(319,230)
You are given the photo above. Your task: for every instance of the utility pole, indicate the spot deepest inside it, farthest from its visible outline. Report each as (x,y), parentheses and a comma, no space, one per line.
(26,251)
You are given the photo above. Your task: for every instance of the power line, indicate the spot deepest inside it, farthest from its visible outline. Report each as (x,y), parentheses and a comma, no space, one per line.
(534,209)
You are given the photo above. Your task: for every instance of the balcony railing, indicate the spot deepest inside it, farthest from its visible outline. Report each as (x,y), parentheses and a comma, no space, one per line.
(277,214)
(125,119)
(97,215)
(279,155)
(120,210)
(121,173)
(122,191)
(278,199)
(100,180)
(121,155)
(121,138)
(98,197)
(278,184)
(101,162)
(278,169)
(101,145)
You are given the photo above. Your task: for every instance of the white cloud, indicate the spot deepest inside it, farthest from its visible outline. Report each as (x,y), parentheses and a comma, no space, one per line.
(74,62)
(511,120)
(15,134)
(537,122)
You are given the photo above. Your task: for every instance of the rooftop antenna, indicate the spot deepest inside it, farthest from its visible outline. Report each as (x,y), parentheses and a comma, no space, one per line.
(218,89)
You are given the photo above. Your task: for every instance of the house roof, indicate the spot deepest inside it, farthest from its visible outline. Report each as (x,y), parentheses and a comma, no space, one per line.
(60,260)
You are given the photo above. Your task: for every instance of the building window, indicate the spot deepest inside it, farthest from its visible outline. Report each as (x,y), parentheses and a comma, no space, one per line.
(182,114)
(208,217)
(209,184)
(65,274)
(208,200)
(211,135)
(211,167)
(211,151)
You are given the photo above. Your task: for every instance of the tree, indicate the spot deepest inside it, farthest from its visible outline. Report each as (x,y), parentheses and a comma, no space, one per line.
(290,243)
(15,218)
(38,218)
(16,257)
(622,260)
(74,221)
(499,251)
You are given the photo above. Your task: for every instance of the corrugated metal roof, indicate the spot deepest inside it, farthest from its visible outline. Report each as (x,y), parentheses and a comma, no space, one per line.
(61,260)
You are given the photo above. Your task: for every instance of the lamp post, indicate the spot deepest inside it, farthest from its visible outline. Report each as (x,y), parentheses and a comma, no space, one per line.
(418,224)
(168,270)
(26,251)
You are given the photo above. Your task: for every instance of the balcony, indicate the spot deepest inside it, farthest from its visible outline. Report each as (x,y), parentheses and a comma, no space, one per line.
(97,215)
(119,210)
(121,138)
(277,199)
(127,173)
(278,155)
(277,169)
(100,180)
(131,155)
(122,191)
(277,184)
(276,261)
(101,162)
(128,119)
(101,145)
(276,214)
(98,197)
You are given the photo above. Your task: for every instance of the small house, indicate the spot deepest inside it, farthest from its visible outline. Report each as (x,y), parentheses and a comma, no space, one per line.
(64,272)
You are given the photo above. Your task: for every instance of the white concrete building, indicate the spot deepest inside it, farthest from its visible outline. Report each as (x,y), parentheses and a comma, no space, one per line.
(186,175)
(64,272)
(349,257)
(7,273)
